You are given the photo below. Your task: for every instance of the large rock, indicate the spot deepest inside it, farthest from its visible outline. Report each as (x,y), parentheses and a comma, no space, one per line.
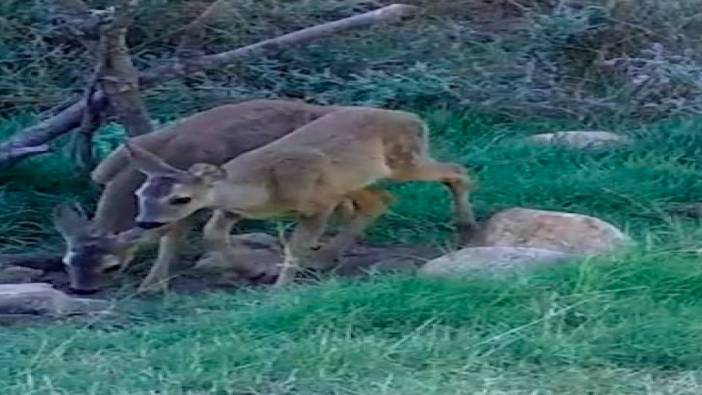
(551,230)
(42,299)
(491,261)
(581,139)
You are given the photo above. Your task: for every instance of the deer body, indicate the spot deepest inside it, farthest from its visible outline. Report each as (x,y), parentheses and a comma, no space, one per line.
(214,136)
(306,173)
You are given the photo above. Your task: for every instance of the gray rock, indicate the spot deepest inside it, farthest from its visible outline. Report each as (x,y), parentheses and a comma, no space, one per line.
(581,139)
(18,274)
(552,230)
(257,241)
(42,299)
(491,262)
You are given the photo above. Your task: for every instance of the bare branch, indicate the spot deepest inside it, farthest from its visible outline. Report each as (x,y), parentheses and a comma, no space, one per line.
(70,118)
(18,153)
(193,33)
(267,47)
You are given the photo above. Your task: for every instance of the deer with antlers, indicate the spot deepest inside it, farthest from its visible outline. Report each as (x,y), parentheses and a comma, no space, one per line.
(306,173)
(108,242)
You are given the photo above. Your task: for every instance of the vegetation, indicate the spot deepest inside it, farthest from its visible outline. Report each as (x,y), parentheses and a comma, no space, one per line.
(484,76)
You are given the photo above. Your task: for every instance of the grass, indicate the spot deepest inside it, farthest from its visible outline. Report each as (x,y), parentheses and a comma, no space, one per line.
(629,324)
(626,326)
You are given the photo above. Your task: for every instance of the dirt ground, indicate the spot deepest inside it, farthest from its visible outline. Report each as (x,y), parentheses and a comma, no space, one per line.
(359,261)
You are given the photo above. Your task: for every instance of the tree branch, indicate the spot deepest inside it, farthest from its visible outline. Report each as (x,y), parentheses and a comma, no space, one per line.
(267,47)
(70,118)
(117,75)
(192,34)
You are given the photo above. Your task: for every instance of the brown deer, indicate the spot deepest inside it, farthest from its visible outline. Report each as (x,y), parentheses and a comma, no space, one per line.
(306,173)
(108,241)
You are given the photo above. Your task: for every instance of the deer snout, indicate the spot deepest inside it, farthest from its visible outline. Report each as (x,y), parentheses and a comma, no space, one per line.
(147,225)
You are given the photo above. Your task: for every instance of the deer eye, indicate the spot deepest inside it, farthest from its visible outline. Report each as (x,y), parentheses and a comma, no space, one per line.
(178,201)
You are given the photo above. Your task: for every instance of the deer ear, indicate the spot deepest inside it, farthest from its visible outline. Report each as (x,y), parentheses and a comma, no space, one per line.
(207,172)
(70,220)
(148,163)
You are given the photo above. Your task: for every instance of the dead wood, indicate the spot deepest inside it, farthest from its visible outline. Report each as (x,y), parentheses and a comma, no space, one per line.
(70,118)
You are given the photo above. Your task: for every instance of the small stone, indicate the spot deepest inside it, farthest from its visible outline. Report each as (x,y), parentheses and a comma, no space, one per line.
(18,274)
(491,262)
(581,139)
(552,230)
(257,241)
(42,299)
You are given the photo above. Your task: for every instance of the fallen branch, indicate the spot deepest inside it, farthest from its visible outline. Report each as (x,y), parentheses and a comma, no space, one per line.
(70,118)
(275,45)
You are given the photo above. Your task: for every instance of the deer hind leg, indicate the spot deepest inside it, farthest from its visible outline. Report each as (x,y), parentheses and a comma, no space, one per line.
(456,179)
(169,246)
(369,204)
(300,246)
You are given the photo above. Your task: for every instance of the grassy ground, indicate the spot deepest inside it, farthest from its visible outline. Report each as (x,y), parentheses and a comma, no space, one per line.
(629,324)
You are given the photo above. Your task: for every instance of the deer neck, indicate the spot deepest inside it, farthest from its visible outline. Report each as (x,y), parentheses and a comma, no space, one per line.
(239,197)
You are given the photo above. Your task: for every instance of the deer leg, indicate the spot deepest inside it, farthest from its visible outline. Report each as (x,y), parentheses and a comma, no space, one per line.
(299,248)
(168,248)
(455,178)
(135,239)
(369,205)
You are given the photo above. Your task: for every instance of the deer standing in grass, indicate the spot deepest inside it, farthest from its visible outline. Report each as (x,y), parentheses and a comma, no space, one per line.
(108,242)
(306,173)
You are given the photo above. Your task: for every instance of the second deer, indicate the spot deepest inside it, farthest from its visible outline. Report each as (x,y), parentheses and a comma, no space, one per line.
(306,173)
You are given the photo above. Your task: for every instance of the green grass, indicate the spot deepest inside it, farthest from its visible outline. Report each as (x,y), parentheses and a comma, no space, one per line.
(626,326)
(630,324)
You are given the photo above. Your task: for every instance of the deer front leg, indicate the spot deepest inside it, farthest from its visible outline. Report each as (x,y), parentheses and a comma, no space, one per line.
(168,249)
(299,248)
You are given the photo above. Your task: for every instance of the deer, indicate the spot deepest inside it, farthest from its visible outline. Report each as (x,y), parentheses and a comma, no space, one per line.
(304,174)
(108,242)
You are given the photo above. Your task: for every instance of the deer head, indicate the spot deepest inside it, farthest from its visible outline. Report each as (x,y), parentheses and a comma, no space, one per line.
(170,194)
(90,253)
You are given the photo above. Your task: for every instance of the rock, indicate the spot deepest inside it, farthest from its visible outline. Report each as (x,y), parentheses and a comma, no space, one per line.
(257,241)
(581,139)
(42,299)
(219,268)
(491,261)
(551,230)
(18,274)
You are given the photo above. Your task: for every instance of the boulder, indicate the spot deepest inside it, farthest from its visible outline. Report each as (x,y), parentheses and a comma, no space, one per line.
(552,230)
(491,261)
(42,299)
(580,139)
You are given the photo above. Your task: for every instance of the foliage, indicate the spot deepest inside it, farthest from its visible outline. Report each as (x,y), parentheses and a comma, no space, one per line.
(576,59)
